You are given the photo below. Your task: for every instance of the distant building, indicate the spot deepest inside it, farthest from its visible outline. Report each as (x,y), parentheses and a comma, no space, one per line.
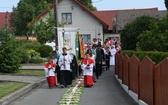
(5,19)
(125,17)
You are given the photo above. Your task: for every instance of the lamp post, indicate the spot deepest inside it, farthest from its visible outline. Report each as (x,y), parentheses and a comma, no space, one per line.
(56,22)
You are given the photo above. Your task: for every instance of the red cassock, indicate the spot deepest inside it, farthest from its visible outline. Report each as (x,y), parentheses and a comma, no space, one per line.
(50,74)
(88,73)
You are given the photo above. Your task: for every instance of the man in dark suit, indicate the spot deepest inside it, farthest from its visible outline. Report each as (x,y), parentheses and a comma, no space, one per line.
(98,60)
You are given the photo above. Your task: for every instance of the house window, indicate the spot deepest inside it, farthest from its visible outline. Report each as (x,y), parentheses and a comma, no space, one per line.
(86,38)
(67,18)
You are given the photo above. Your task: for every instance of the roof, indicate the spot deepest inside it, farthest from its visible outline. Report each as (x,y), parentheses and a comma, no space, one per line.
(80,5)
(107,16)
(3,19)
(124,18)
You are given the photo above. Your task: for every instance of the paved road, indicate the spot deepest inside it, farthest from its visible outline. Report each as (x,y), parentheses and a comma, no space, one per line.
(41,96)
(107,91)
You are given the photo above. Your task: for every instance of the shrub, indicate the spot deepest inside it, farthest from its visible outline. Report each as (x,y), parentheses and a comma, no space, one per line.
(45,51)
(33,54)
(10,60)
(36,60)
(153,55)
(23,54)
(30,45)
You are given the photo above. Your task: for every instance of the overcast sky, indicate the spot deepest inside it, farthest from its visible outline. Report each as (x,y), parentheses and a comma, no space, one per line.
(6,5)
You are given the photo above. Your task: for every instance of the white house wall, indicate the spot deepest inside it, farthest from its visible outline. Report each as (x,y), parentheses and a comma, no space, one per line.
(80,19)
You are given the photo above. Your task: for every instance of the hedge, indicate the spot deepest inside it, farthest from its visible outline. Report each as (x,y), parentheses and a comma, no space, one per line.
(155,56)
(45,50)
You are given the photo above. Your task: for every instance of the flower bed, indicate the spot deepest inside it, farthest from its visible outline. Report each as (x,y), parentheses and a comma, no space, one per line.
(73,94)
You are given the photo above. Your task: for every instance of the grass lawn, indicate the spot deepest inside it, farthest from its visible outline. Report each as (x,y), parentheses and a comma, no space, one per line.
(7,88)
(29,72)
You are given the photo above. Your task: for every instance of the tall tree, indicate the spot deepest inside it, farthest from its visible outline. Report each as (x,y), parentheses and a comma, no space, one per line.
(132,30)
(166,4)
(44,29)
(88,4)
(25,12)
(156,38)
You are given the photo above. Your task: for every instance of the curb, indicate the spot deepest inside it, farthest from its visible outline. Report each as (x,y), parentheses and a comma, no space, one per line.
(13,96)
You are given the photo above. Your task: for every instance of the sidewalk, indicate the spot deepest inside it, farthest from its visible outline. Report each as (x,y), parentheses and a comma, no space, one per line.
(107,91)
(41,96)
(32,67)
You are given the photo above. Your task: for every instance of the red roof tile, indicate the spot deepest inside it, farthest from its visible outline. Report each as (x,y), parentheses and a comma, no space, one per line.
(3,19)
(107,16)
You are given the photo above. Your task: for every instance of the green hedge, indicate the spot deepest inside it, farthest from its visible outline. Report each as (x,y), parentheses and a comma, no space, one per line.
(36,60)
(45,51)
(153,55)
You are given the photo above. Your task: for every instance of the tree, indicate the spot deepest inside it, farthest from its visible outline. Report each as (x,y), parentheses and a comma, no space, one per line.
(166,4)
(88,4)
(10,61)
(44,29)
(156,38)
(132,30)
(25,12)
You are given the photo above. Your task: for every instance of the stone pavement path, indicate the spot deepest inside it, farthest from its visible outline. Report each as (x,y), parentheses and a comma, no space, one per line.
(107,91)
(41,96)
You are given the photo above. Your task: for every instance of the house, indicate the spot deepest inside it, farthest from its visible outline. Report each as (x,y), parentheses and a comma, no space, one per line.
(75,15)
(5,18)
(94,24)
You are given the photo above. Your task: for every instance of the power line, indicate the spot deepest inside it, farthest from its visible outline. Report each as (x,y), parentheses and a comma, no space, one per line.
(97,1)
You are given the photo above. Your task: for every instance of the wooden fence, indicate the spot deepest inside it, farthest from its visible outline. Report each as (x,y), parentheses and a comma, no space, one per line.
(148,80)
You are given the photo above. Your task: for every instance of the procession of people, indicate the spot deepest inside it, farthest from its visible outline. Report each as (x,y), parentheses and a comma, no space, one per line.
(62,68)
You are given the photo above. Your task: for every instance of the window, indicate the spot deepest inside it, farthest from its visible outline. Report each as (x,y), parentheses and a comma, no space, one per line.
(66,18)
(86,38)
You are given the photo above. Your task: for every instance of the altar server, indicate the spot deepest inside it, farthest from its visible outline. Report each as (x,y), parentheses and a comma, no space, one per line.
(87,67)
(49,69)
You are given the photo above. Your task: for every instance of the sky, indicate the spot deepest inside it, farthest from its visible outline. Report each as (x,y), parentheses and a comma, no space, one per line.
(6,5)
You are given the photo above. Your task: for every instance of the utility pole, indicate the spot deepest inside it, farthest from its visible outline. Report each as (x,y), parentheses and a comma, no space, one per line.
(56,22)
(6,22)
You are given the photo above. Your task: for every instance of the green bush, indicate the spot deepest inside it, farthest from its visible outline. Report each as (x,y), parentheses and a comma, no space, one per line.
(155,56)
(36,60)
(131,31)
(33,54)
(10,60)
(30,45)
(45,51)
(23,54)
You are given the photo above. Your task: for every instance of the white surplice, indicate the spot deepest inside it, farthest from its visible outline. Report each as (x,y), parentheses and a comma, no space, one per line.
(67,62)
(112,58)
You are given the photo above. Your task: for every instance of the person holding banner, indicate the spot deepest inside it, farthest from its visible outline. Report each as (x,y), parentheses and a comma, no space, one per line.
(87,67)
